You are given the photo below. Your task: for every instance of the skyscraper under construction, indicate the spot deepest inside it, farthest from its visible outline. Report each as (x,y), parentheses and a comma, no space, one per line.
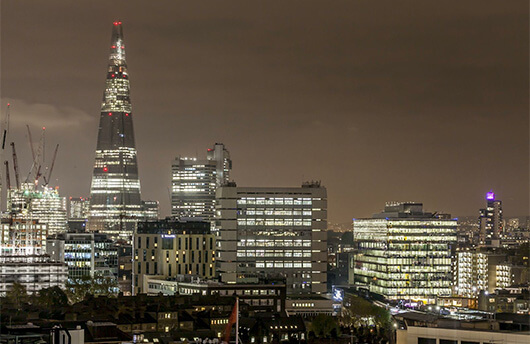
(115,203)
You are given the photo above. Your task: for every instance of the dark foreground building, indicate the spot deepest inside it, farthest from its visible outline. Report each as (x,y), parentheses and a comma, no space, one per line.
(115,203)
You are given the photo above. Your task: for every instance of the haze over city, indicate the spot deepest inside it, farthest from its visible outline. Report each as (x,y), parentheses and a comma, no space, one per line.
(423,102)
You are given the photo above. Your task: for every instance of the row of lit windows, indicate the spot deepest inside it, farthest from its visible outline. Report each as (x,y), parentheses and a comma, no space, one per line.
(272,243)
(286,265)
(273,253)
(274,222)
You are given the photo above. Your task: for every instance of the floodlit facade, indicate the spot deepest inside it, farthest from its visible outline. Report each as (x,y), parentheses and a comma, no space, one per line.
(22,237)
(404,253)
(168,248)
(115,203)
(22,259)
(490,222)
(194,183)
(273,233)
(38,203)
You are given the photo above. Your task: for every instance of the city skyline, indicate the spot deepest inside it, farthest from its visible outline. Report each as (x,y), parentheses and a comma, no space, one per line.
(322,96)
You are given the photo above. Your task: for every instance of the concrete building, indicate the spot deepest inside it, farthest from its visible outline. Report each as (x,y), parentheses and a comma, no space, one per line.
(168,248)
(273,233)
(194,182)
(34,272)
(478,270)
(404,253)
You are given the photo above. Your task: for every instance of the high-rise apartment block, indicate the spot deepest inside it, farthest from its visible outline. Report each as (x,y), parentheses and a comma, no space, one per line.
(115,203)
(194,183)
(273,233)
(168,248)
(404,253)
(490,222)
(38,203)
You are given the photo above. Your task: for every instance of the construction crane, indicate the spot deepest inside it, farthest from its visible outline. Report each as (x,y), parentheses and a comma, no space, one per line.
(36,166)
(8,180)
(47,179)
(6,126)
(15,165)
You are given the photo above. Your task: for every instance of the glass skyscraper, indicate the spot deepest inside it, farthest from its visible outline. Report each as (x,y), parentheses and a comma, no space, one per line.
(115,203)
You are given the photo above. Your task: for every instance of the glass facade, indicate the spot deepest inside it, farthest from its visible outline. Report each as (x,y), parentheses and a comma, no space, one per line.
(115,204)
(194,182)
(405,254)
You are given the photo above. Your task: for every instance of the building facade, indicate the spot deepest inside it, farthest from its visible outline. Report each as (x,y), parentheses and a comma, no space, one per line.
(404,253)
(115,203)
(273,233)
(478,270)
(194,183)
(22,237)
(490,222)
(86,254)
(78,208)
(168,248)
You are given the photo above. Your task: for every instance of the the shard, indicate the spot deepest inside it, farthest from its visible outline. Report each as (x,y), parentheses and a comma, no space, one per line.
(115,203)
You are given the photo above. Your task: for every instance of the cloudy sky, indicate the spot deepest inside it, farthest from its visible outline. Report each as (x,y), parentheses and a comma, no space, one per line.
(381,100)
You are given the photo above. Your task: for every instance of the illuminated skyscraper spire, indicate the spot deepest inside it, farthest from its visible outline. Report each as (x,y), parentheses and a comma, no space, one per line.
(115,203)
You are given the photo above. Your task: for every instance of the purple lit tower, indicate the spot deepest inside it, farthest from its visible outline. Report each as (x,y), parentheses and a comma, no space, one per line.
(115,203)
(490,221)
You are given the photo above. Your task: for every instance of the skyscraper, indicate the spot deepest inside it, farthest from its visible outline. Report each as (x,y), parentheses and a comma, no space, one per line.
(194,182)
(115,204)
(490,221)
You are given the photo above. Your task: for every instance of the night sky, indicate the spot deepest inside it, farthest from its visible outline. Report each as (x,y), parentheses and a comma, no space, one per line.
(381,100)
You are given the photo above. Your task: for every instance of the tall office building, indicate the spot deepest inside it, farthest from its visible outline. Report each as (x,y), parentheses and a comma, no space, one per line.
(273,233)
(490,221)
(78,208)
(38,203)
(404,253)
(115,204)
(194,183)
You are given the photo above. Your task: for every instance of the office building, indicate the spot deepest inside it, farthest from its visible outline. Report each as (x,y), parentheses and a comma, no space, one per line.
(115,203)
(168,248)
(195,181)
(490,222)
(78,208)
(273,233)
(86,254)
(38,203)
(404,253)
(151,210)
